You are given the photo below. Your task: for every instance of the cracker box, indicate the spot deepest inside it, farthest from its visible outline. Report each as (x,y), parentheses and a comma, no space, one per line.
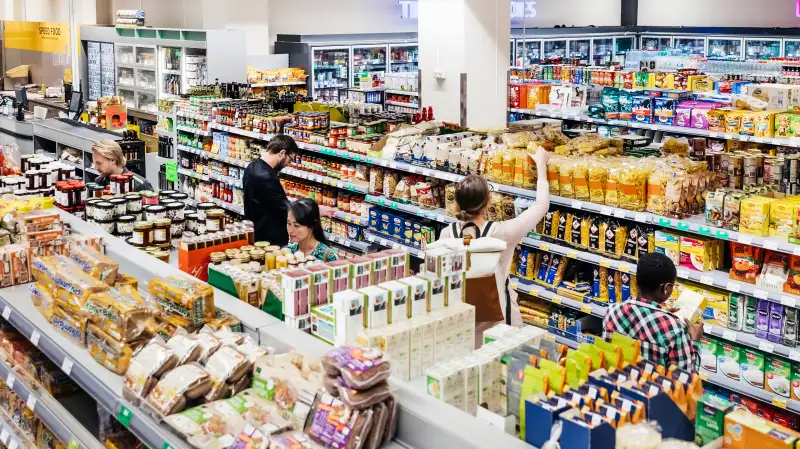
(445,261)
(349,306)
(437,289)
(376,303)
(379,267)
(748,123)
(323,323)
(446,383)
(360,273)
(754,218)
(668,244)
(296,285)
(455,289)
(340,276)
(399,262)
(399,300)
(420,295)
(782,214)
(695,253)
(321,290)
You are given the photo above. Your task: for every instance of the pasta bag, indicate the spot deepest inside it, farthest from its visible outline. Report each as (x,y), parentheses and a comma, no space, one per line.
(612,197)
(509,163)
(530,173)
(565,179)
(598,175)
(580,179)
(519,168)
(554,175)
(656,192)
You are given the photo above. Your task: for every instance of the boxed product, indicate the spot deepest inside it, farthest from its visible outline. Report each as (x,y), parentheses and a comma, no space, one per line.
(695,253)
(664,111)
(321,284)
(668,244)
(399,261)
(744,430)
(399,300)
(711,411)
(764,124)
(340,276)
(379,267)
(778,376)
(754,218)
(323,323)
(783,125)
(752,367)
(296,286)
(446,383)
(426,325)
(716,120)
(349,306)
(782,216)
(187,298)
(642,108)
(395,343)
(700,116)
(415,349)
(445,261)
(376,303)
(728,357)
(437,291)
(455,289)
(360,273)
(420,295)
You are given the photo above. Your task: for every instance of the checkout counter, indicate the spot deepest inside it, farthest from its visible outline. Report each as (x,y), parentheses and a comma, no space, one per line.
(21,133)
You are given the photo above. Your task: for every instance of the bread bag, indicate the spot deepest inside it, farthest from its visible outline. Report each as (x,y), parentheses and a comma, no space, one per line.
(150,363)
(226,366)
(111,353)
(360,367)
(185,347)
(188,381)
(333,424)
(94,263)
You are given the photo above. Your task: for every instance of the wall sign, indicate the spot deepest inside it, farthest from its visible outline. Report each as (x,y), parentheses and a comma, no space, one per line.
(50,37)
(519,10)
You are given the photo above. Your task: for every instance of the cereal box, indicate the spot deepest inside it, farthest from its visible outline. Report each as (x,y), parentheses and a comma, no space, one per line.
(782,121)
(747,125)
(716,120)
(781,216)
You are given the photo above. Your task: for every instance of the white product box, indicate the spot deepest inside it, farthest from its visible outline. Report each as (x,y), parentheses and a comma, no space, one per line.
(436,299)
(455,289)
(399,302)
(340,275)
(395,343)
(371,338)
(376,303)
(446,383)
(440,348)
(302,323)
(426,324)
(323,323)
(445,261)
(420,294)
(349,306)
(415,342)
(379,267)
(450,318)
(468,311)
(399,262)
(321,286)
(459,348)
(496,332)
(296,286)
(470,385)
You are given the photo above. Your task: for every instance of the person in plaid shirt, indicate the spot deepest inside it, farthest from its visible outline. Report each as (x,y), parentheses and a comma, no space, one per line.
(665,338)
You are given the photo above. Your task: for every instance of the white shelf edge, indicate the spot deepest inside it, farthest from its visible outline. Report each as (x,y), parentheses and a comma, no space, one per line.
(378,239)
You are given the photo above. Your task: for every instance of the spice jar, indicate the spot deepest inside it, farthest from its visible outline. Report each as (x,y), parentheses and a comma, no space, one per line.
(103,211)
(125,225)
(202,209)
(191,222)
(142,233)
(215,219)
(134,203)
(218,258)
(90,203)
(155,212)
(120,206)
(257,255)
(161,231)
(174,210)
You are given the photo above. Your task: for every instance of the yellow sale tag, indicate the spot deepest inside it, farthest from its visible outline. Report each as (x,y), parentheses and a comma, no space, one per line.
(544,247)
(572,255)
(556,300)
(550,337)
(514,284)
(348,219)
(586,309)
(357,222)
(605,263)
(779,402)
(624,268)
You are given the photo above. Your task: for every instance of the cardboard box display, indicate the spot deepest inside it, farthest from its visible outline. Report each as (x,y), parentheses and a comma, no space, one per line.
(321,287)
(436,299)
(399,262)
(296,286)
(302,323)
(360,272)
(415,349)
(376,303)
(426,324)
(455,289)
(323,323)
(340,276)
(349,306)
(399,300)
(379,267)
(420,295)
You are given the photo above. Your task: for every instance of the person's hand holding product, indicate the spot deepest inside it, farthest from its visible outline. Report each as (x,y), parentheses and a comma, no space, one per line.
(695,330)
(540,157)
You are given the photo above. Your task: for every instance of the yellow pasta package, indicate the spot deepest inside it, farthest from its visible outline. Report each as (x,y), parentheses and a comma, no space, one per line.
(494,161)
(598,174)
(509,163)
(554,175)
(631,186)
(565,179)
(612,197)
(519,168)
(656,192)
(580,179)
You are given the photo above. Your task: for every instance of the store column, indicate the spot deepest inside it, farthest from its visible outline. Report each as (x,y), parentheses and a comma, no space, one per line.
(470,37)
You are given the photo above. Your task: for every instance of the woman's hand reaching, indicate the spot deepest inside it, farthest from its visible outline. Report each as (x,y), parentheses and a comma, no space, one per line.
(540,157)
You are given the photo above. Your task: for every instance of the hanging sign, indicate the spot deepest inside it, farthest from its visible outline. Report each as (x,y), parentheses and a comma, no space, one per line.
(519,10)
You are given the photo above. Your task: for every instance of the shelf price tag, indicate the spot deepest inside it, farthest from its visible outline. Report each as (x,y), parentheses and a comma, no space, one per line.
(745,239)
(796,251)
(577,205)
(683,273)
(682,226)
(66,366)
(605,264)
(794,355)
(586,309)
(766,347)
(664,222)
(572,254)
(124,416)
(556,300)
(641,218)
(788,301)
(779,402)
(10,380)
(605,210)
(760,294)
(31,402)
(733,286)
(619,213)
(729,335)
(514,284)
(722,234)
(544,247)
(35,336)
(6,312)
(770,245)
(706,279)
(703,230)
(624,269)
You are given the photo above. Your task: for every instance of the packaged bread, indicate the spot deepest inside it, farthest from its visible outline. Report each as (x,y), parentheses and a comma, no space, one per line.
(168,325)
(123,279)
(170,394)
(183,297)
(380,413)
(227,365)
(228,337)
(112,354)
(151,362)
(209,344)
(186,348)
(225,320)
(121,320)
(94,263)
(243,384)
(360,367)
(70,324)
(43,299)
(258,412)
(391,420)
(360,400)
(292,440)
(331,421)
(61,274)
(128,294)
(251,349)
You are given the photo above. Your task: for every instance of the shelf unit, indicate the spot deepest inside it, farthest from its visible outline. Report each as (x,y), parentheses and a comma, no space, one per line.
(362,247)
(343,185)
(210,155)
(387,242)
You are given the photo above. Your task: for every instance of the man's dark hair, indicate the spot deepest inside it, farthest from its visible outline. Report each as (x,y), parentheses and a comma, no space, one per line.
(653,271)
(282,142)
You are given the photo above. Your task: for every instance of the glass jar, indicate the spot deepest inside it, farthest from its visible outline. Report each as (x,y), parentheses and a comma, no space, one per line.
(151,249)
(80,193)
(164,194)
(32,179)
(106,225)
(90,203)
(176,228)
(161,231)
(175,210)
(215,220)
(155,212)
(103,211)
(218,257)
(142,234)
(191,222)
(257,255)
(261,245)
(149,198)
(133,203)
(125,225)
(162,256)
(202,210)
(180,196)
(120,206)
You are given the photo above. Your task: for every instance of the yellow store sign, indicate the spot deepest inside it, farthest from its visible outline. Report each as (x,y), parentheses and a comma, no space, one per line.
(50,37)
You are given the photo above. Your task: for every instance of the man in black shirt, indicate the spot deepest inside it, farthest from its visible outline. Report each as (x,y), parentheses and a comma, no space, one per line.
(265,202)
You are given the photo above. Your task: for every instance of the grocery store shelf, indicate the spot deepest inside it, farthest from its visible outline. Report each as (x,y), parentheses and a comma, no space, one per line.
(401,104)
(131,65)
(193,174)
(566,342)
(625,267)
(344,185)
(193,130)
(92,171)
(170,72)
(752,341)
(533,289)
(673,129)
(215,156)
(11,435)
(242,132)
(165,132)
(228,206)
(362,247)
(161,159)
(433,214)
(374,237)
(401,92)
(739,386)
(279,84)
(165,114)
(351,218)
(73,164)
(236,182)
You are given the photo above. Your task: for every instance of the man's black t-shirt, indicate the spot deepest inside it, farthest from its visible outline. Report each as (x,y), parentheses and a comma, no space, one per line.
(265,203)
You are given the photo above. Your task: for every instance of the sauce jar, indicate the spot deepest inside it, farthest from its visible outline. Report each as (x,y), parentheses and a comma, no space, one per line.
(134,204)
(155,212)
(125,225)
(32,179)
(215,220)
(218,258)
(90,203)
(161,231)
(202,209)
(120,206)
(257,255)
(164,194)
(191,222)
(103,211)
(142,234)
(175,210)
(180,196)
(176,228)
(149,198)
(261,245)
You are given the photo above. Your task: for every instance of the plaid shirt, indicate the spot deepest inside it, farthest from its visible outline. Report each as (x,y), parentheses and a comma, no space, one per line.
(663,336)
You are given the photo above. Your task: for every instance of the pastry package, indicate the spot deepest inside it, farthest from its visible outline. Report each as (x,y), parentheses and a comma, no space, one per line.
(186,348)
(251,350)
(107,351)
(170,394)
(258,412)
(209,344)
(225,366)
(94,263)
(292,440)
(290,381)
(147,365)
(361,368)
(228,337)
(333,424)
(192,300)
(207,426)
(362,399)
(121,320)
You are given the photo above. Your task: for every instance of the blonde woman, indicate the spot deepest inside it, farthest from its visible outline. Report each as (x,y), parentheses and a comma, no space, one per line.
(108,159)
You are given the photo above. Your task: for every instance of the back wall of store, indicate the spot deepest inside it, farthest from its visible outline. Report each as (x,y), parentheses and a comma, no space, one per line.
(728,13)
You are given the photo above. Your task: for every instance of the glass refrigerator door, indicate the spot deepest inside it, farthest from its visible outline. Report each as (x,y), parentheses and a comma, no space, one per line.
(107,67)
(691,45)
(656,43)
(370,63)
(146,56)
(170,62)
(602,51)
(579,49)
(762,48)
(724,48)
(555,49)
(529,53)
(330,72)
(405,58)
(94,70)
(791,49)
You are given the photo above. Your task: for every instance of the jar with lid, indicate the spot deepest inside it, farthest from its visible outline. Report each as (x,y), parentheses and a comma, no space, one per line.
(218,257)
(163,194)
(161,231)
(32,179)
(180,196)
(155,212)
(142,234)
(79,193)
(151,249)
(44,178)
(149,198)
(107,225)
(134,203)
(90,203)
(162,256)
(191,222)
(176,228)
(125,225)
(120,206)
(174,210)
(257,255)
(103,211)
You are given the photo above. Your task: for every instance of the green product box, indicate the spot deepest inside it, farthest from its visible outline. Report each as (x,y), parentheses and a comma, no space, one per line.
(709,350)
(778,376)
(710,423)
(728,359)
(752,367)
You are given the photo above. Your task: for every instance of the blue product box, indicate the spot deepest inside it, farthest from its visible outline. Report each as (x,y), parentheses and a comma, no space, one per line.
(374,219)
(664,111)
(397,227)
(642,109)
(408,230)
(386,223)
(355,233)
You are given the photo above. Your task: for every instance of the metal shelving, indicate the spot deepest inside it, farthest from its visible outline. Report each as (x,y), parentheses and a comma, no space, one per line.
(540,291)
(389,243)
(434,214)
(362,247)
(210,155)
(187,129)
(343,185)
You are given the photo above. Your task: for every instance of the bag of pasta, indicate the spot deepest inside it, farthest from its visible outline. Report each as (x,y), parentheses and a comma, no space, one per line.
(529,173)
(598,175)
(677,146)
(509,208)
(580,179)
(450,205)
(494,164)
(516,140)
(554,175)
(565,179)
(656,192)
(673,195)
(520,172)
(495,210)
(632,184)
(612,183)
(509,166)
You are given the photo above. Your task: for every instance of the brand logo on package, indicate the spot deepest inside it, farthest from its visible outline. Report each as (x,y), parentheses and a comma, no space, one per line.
(519,10)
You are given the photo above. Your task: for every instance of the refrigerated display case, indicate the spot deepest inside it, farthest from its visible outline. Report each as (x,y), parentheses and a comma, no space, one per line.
(330,72)
(602,49)
(791,48)
(529,52)
(724,47)
(555,48)
(579,49)
(126,77)
(655,43)
(762,48)
(691,45)
(624,44)
(369,61)
(195,67)
(404,58)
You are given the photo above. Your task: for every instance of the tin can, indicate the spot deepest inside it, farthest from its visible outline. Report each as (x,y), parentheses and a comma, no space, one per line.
(735,172)
(794,188)
(760,169)
(772,170)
